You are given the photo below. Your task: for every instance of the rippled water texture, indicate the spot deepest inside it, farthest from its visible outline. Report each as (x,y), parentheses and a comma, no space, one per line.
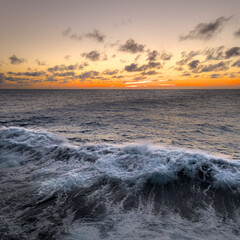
(119,164)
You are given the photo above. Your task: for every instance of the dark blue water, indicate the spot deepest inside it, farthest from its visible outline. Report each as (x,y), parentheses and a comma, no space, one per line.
(120,164)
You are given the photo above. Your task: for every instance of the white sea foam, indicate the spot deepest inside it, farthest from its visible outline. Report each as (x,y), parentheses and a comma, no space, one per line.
(49,187)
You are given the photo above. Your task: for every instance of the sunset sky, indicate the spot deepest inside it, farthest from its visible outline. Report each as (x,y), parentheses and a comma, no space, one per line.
(120,44)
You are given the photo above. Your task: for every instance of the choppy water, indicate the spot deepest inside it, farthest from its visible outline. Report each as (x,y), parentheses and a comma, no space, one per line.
(120,164)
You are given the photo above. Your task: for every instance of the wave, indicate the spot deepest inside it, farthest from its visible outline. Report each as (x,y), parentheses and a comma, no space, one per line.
(133,163)
(46,179)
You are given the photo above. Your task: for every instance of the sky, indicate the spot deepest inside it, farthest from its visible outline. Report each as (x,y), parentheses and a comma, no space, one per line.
(119,44)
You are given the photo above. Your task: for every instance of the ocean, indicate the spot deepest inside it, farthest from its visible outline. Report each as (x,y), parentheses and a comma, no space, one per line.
(119,164)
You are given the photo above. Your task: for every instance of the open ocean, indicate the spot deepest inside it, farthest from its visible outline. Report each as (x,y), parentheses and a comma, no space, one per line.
(119,164)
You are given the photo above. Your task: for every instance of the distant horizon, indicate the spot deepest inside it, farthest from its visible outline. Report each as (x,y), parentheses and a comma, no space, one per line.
(131,89)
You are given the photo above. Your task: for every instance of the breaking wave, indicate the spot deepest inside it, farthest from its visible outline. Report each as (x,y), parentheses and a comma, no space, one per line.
(51,189)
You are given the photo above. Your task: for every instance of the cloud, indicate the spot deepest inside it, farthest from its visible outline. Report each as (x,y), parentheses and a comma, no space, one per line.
(65,74)
(66,32)
(83,65)
(135,68)
(88,75)
(2,78)
(62,68)
(193,64)
(232,52)
(232,75)
(149,73)
(15,60)
(22,80)
(28,74)
(179,69)
(67,57)
(236,64)
(93,55)
(40,63)
(215,75)
(214,53)
(221,66)
(96,35)
(132,68)
(51,79)
(166,56)
(76,36)
(206,31)
(131,46)
(237,33)
(109,72)
(186,75)
(186,57)
(153,56)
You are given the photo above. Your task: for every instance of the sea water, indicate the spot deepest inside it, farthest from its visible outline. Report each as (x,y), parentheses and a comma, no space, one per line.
(120,164)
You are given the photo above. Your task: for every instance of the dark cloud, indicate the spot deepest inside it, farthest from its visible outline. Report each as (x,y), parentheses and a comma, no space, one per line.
(153,56)
(135,68)
(236,64)
(62,68)
(166,56)
(76,36)
(221,66)
(96,35)
(2,78)
(83,65)
(15,60)
(66,32)
(132,68)
(88,75)
(193,64)
(137,57)
(179,69)
(206,31)
(215,75)
(139,78)
(51,79)
(110,72)
(237,33)
(22,80)
(28,74)
(232,52)
(150,65)
(40,63)
(93,55)
(186,75)
(149,73)
(105,58)
(120,76)
(214,53)
(67,57)
(131,46)
(186,57)
(65,74)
